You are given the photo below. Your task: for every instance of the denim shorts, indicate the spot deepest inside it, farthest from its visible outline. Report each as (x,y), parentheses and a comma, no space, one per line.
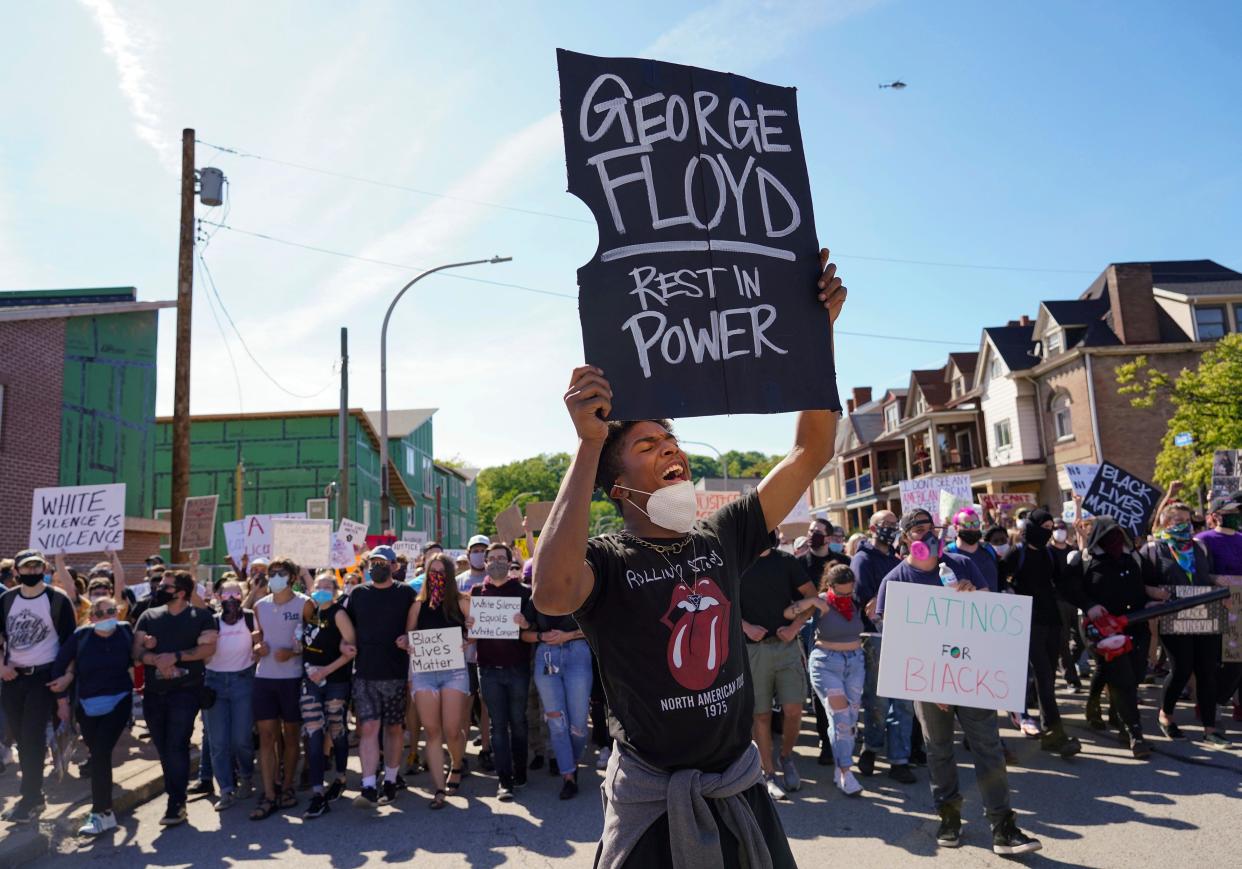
(452,680)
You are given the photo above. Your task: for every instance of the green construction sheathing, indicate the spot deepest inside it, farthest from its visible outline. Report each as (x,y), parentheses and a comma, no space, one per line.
(108,431)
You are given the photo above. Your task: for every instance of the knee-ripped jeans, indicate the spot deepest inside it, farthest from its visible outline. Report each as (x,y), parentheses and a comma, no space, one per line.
(323,718)
(836,677)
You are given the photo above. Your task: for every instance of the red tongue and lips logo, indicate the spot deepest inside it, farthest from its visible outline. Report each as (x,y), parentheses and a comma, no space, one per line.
(699,642)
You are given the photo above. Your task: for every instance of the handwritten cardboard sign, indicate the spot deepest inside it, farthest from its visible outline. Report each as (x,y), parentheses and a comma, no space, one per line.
(701,297)
(68,519)
(419,537)
(1207,618)
(353,532)
(198,522)
(307,541)
(958,648)
(707,503)
(1231,636)
(924,493)
(537,513)
(343,554)
(493,617)
(1007,502)
(1080,477)
(435,651)
(235,539)
(258,528)
(410,550)
(1118,493)
(509,523)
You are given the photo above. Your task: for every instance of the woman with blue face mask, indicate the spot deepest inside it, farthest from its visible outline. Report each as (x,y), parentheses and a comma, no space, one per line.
(230,673)
(98,658)
(327,650)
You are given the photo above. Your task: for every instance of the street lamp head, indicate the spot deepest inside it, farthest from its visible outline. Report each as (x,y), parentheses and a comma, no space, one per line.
(500,259)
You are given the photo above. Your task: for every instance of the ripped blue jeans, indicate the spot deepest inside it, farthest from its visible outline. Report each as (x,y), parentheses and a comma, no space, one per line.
(837,678)
(563,676)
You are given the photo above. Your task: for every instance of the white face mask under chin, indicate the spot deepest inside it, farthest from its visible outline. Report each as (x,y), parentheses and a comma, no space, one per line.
(672,507)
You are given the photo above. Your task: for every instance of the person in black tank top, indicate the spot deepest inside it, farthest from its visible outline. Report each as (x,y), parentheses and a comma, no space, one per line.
(328,649)
(442,698)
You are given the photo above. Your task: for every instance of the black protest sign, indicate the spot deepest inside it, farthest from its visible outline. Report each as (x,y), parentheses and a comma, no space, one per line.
(1118,493)
(701,297)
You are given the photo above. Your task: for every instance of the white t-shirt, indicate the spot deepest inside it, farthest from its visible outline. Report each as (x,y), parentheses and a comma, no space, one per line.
(234,648)
(31,635)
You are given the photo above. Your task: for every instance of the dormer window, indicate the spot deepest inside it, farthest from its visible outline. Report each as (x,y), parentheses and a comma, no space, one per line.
(1210,322)
(958,388)
(1053,344)
(919,404)
(998,369)
(890,417)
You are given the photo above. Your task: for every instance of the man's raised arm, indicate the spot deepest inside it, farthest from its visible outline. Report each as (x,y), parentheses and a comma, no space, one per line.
(815,432)
(561,579)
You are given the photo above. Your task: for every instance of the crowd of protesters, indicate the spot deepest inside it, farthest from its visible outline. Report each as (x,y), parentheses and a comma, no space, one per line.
(289,670)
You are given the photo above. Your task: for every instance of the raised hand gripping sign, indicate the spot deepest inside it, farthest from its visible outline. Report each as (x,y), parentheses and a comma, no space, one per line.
(701,296)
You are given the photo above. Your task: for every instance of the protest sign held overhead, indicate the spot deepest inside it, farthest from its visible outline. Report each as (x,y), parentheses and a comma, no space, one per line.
(353,533)
(1231,637)
(307,541)
(69,519)
(509,524)
(258,532)
(198,522)
(959,648)
(701,297)
(537,513)
(924,493)
(1118,493)
(435,651)
(1007,503)
(1080,477)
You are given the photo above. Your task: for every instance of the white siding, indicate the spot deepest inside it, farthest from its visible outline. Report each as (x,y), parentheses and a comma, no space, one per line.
(1005,398)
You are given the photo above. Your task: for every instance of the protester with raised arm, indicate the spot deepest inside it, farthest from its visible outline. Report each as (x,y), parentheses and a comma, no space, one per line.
(673,668)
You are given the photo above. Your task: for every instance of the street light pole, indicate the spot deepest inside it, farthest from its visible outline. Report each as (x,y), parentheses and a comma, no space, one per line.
(383,470)
(724,471)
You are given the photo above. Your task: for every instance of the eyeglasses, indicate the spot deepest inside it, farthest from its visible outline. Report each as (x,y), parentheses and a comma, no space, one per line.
(501,560)
(283,573)
(106,613)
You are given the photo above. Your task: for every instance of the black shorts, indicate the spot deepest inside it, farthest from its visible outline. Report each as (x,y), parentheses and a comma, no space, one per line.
(274,699)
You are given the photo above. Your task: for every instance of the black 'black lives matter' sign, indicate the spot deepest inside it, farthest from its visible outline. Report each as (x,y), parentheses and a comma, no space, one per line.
(701,297)
(1118,493)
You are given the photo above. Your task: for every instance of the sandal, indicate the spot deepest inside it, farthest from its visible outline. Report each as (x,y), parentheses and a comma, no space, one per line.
(288,799)
(451,786)
(265,809)
(438,801)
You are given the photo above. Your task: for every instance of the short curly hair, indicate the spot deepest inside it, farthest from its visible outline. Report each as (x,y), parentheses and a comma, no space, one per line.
(610,462)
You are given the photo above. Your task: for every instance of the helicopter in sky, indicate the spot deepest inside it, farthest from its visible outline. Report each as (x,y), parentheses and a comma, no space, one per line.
(895,85)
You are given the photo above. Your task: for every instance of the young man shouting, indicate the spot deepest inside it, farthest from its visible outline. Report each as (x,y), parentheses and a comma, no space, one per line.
(658,604)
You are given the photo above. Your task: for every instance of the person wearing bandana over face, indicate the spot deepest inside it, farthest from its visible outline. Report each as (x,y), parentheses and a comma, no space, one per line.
(97,659)
(172,640)
(1030,570)
(230,720)
(35,618)
(824,549)
(684,786)
(1178,559)
(923,566)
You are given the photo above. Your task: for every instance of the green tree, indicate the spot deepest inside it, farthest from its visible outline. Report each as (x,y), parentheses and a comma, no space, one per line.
(703,466)
(1205,402)
(750,463)
(535,479)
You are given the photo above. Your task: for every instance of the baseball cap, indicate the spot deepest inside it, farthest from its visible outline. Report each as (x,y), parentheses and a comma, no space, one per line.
(479,540)
(385,552)
(913,517)
(29,556)
(799,542)
(154,559)
(259,562)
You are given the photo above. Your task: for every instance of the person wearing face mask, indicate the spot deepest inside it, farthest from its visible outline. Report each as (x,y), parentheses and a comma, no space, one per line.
(1071,647)
(470,574)
(923,566)
(1179,560)
(328,647)
(172,640)
(996,538)
(1224,544)
(278,685)
(35,620)
(1107,577)
(969,542)
(821,553)
(1031,570)
(888,724)
(97,659)
(230,673)
(380,610)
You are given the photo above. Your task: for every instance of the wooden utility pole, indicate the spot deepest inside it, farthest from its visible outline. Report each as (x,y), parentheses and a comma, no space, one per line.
(342,492)
(181,377)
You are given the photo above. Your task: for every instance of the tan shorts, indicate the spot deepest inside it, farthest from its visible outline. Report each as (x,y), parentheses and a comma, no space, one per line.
(777,670)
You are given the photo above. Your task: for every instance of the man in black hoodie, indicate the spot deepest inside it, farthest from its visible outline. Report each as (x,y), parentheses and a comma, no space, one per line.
(1107,577)
(1029,569)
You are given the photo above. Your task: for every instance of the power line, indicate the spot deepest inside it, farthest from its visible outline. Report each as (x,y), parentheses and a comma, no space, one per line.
(413,268)
(212,283)
(224,339)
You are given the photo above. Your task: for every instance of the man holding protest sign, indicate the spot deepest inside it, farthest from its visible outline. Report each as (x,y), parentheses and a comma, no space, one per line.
(656,603)
(928,564)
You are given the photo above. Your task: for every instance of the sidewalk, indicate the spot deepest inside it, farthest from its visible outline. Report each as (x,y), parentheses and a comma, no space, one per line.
(137,778)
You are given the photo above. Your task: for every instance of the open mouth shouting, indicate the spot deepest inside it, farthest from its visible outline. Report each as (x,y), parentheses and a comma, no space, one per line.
(699,642)
(674,472)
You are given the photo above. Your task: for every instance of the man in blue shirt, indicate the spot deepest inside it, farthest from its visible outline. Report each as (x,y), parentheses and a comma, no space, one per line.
(969,542)
(922,566)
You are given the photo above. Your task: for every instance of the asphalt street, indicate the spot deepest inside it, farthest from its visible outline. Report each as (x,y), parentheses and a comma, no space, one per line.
(1101,809)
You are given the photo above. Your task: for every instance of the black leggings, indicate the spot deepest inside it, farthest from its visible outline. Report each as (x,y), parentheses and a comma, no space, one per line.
(1197,654)
(1124,675)
(1045,649)
(100,733)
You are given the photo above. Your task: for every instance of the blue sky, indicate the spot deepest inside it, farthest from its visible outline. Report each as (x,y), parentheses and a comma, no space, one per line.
(1052,136)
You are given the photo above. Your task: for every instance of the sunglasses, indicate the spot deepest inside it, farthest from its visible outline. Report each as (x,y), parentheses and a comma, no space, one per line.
(230,595)
(283,573)
(105,613)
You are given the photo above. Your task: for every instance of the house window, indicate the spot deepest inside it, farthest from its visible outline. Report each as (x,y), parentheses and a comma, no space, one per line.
(919,404)
(1061,419)
(428,475)
(392,520)
(890,418)
(411,460)
(957,386)
(1052,344)
(366,514)
(998,369)
(1237,327)
(429,522)
(1001,434)
(409,517)
(1210,323)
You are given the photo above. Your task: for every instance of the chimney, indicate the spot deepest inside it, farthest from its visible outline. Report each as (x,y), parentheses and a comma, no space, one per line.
(862,395)
(849,405)
(1131,303)
(1025,321)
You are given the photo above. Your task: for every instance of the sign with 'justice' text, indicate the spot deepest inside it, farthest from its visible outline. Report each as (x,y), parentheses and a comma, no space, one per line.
(701,297)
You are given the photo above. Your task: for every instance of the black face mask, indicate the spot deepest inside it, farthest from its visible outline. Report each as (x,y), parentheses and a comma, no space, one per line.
(970,538)
(30,580)
(230,610)
(818,539)
(163,596)
(1037,535)
(380,573)
(887,534)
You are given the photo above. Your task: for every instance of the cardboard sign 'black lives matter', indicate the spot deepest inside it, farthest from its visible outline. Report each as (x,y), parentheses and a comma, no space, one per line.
(1118,493)
(701,298)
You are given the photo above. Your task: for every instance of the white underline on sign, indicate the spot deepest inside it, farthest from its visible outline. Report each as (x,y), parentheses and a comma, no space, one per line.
(675,246)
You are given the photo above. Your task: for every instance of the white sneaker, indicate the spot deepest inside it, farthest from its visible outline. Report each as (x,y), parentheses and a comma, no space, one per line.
(604,754)
(847,784)
(775,791)
(98,823)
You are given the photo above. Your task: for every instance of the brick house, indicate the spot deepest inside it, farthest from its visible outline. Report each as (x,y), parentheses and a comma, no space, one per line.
(77,406)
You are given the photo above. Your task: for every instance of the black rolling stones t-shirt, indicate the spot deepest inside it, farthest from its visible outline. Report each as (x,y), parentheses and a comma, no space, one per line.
(667,632)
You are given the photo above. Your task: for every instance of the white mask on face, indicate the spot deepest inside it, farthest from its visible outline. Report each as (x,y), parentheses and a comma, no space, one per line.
(672,507)
(1002,549)
(1059,535)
